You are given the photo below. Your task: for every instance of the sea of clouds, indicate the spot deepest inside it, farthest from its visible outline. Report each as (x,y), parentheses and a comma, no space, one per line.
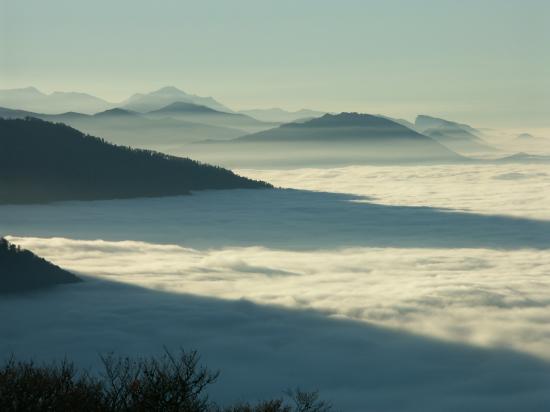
(387,288)
(511,189)
(479,296)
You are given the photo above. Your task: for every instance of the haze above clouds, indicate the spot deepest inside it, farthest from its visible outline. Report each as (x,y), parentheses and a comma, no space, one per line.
(483,63)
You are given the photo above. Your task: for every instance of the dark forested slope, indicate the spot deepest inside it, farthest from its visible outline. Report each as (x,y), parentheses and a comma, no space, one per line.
(42,161)
(22,270)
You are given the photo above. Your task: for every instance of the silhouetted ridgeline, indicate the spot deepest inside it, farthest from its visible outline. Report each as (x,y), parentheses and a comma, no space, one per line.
(22,270)
(459,137)
(42,161)
(201,114)
(340,127)
(128,128)
(336,140)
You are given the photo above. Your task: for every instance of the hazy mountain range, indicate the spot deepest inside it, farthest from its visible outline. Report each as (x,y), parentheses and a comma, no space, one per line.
(333,139)
(339,127)
(162,97)
(31,99)
(529,138)
(171,120)
(459,137)
(204,118)
(278,115)
(384,139)
(192,112)
(34,100)
(135,129)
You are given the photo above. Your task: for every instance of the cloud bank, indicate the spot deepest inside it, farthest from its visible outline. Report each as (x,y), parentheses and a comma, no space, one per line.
(477,296)
(261,351)
(513,189)
(381,306)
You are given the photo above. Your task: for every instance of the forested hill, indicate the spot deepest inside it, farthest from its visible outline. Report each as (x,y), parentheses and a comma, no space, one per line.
(21,270)
(42,161)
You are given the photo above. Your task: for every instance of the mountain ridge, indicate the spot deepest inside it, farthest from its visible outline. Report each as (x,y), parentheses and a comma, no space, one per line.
(23,271)
(147,102)
(42,161)
(333,140)
(134,129)
(356,125)
(276,114)
(207,115)
(459,137)
(32,99)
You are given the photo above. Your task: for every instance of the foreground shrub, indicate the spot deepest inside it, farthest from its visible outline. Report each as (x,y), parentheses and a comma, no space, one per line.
(25,386)
(165,383)
(301,402)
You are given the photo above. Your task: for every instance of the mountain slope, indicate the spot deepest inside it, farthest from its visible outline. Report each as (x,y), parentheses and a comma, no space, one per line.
(116,112)
(423,122)
(129,128)
(402,122)
(162,97)
(206,115)
(524,158)
(281,116)
(7,113)
(525,136)
(182,108)
(339,127)
(329,141)
(134,129)
(459,137)
(42,161)
(380,133)
(32,99)
(529,138)
(21,270)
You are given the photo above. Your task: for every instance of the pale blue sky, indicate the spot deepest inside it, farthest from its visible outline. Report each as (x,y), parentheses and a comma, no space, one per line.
(486,62)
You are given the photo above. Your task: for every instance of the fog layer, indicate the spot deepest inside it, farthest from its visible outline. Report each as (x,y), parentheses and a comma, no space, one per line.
(299,287)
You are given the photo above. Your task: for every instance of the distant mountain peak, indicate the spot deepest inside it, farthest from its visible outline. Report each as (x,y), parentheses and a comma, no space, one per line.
(346,119)
(460,137)
(168,90)
(32,99)
(351,124)
(279,115)
(117,111)
(157,99)
(186,107)
(529,138)
(31,89)
(172,90)
(350,134)
(423,121)
(76,94)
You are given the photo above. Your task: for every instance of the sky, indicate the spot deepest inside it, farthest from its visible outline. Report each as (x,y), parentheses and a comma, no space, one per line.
(484,62)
